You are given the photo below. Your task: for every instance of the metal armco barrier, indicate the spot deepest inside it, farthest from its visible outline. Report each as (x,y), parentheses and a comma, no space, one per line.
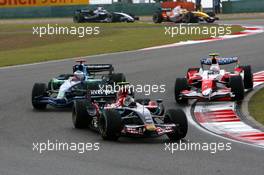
(245,6)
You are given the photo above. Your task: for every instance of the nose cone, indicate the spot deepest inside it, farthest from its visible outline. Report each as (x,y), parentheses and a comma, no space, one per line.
(150,127)
(207,92)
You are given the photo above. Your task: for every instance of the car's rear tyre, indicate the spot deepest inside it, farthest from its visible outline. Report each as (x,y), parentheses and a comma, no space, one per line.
(180,85)
(212,14)
(80,116)
(157,17)
(196,69)
(110,124)
(177,117)
(237,87)
(118,77)
(190,18)
(114,18)
(49,86)
(248,77)
(110,18)
(161,110)
(39,89)
(78,18)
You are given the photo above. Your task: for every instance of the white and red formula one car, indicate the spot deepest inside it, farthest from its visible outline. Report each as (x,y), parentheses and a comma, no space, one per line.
(214,84)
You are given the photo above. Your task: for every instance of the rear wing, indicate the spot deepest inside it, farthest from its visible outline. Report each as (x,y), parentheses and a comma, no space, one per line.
(93,68)
(221,61)
(99,68)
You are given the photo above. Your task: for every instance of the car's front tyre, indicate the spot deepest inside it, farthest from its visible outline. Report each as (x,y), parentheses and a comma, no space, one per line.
(118,78)
(80,116)
(110,124)
(78,18)
(248,77)
(39,90)
(237,87)
(177,117)
(180,85)
(157,17)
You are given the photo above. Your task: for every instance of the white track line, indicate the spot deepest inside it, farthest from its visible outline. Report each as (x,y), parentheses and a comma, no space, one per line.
(250,30)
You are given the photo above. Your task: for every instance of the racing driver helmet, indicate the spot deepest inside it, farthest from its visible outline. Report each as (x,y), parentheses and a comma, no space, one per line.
(215,66)
(99,9)
(79,75)
(129,102)
(123,91)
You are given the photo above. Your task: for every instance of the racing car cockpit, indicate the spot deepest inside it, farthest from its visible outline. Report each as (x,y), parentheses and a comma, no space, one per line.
(100,10)
(214,68)
(91,69)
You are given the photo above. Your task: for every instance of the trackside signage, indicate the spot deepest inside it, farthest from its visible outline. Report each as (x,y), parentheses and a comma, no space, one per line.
(32,3)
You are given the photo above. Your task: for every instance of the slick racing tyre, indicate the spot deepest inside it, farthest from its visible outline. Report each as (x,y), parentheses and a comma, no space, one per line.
(80,116)
(109,19)
(39,89)
(180,85)
(118,77)
(113,18)
(190,18)
(212,14)
(50,86)
(78,18)
(157,17)
(110,124)
(248,77)
(161,110)
(177,117)
(237,87)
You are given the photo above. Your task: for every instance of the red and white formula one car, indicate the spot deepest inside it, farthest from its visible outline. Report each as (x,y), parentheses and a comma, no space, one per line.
(214,84)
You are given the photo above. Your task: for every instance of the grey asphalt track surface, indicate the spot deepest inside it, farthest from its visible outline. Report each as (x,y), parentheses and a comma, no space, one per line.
(20,125)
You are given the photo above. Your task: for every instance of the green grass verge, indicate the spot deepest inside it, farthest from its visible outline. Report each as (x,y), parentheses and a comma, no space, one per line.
(19,46)
(256,105)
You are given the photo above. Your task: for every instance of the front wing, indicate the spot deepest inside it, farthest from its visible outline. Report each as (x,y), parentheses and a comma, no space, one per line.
(218,95)
(150,130)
